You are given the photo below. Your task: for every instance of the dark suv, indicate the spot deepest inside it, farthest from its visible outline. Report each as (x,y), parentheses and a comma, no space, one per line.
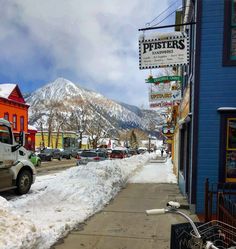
(66,154)
(49,154)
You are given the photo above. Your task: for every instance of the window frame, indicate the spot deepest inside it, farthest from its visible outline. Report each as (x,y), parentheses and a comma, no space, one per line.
(6,114)
(14,121)
(227,60)
(22,123)
(8,131)
(224,149)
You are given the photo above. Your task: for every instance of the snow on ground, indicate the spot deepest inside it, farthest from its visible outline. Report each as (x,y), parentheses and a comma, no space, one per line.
(155,173)
(58,203)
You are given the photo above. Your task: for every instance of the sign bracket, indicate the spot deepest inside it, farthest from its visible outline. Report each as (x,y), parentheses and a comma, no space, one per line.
(168,26)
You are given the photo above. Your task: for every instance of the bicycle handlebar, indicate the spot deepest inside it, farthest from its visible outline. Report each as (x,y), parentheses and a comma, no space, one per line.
(171,208)
(156,211)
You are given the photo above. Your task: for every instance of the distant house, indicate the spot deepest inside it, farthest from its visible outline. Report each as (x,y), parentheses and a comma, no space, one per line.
(60,140)
(14,109)
(108,143)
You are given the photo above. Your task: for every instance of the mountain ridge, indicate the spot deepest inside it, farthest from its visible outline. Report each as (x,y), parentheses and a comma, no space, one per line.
(75,99)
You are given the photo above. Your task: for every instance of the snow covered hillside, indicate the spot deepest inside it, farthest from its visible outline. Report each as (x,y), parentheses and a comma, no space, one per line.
(114,114)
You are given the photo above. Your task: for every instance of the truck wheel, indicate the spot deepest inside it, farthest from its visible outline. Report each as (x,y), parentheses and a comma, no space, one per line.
(24,181)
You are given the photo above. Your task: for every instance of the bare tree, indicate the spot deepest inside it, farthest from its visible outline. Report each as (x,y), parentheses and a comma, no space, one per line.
(37,117)
(96,129)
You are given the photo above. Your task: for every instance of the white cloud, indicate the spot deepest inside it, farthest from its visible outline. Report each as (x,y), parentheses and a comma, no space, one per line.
(95,40)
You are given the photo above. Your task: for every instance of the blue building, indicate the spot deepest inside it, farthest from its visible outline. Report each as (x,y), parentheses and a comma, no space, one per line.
(207,131)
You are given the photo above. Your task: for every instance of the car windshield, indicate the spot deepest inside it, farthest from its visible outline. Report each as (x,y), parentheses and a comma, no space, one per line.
(88,154)
(47,151)
(117,152)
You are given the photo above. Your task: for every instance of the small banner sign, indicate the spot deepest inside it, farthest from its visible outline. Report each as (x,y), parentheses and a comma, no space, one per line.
(164,79)
(167,50)
(160,104)
(165,96)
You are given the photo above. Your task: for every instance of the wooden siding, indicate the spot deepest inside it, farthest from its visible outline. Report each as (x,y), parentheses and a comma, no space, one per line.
(16,95)
(217,89)
(14,109)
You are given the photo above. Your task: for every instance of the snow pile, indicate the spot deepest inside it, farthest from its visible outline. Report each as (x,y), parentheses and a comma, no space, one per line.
(15,231)
(58,203)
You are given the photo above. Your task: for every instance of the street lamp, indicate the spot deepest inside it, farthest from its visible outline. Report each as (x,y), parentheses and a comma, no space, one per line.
(149,142)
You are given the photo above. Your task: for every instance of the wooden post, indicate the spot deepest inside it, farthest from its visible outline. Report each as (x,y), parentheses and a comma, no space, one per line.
(206,216)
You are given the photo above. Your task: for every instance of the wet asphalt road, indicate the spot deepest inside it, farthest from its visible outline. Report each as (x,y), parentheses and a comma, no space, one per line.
(55,166)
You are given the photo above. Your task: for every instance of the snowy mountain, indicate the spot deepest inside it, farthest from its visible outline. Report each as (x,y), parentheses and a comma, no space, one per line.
(68,101)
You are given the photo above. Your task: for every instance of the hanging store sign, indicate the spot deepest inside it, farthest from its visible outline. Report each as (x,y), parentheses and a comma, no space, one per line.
(163,79)
(164,96)
(168,130)
(160,104)
(163,51)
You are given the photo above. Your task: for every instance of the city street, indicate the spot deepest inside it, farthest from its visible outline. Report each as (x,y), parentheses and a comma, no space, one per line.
(55,166)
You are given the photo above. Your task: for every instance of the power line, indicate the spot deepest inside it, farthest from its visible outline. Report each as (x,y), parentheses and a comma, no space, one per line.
(149,23)
(166,17)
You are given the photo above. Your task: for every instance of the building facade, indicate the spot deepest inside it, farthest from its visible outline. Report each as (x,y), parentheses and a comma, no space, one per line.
(60,140)
(206,128)
(14,109)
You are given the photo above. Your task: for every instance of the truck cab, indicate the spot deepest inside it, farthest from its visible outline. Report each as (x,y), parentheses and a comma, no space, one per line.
(16,170)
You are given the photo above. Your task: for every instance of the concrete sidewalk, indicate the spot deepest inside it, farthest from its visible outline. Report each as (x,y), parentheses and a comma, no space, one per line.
(123,223)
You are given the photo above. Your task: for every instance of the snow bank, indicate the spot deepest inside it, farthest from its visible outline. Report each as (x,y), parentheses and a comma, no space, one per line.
(16,231)
(58,203)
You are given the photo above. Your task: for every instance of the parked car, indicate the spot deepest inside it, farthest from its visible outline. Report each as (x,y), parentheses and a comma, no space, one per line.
(118,154)
(66,154)
(35,159)
(76,152)
(132,152)
(142,150)
(91,156)
(49,154)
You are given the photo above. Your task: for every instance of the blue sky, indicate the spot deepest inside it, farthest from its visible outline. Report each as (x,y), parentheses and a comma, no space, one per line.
(91,43)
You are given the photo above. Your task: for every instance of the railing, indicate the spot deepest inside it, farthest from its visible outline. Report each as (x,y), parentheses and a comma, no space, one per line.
(220,202)
(227,209)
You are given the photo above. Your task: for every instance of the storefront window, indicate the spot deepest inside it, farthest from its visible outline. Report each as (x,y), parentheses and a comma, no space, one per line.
(231,151)
(229,53)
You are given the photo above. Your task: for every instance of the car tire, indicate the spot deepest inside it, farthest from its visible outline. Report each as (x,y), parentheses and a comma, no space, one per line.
(59,158)
(24,181)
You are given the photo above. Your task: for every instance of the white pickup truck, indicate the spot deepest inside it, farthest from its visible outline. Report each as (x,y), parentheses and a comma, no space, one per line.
(16,170)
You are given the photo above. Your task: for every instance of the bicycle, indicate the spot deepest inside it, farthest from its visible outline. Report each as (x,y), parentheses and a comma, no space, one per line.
(210,235)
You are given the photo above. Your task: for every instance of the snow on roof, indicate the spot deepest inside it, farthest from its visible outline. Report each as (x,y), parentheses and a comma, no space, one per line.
(30,127)
(6,90)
